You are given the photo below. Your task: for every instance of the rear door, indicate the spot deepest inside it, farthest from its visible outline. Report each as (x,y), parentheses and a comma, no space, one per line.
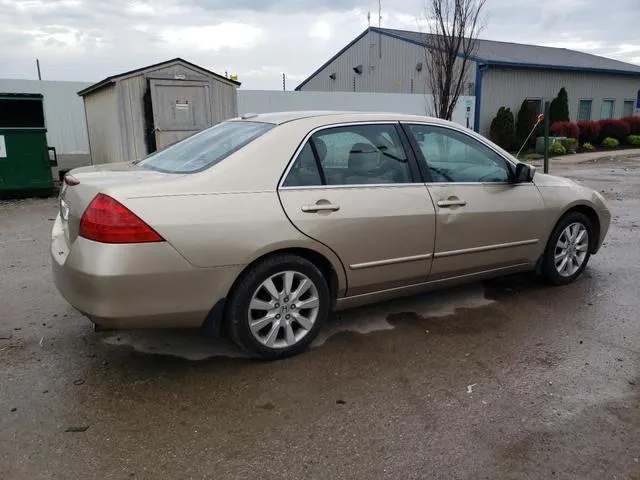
(180,109)
(355,189)
(484,220)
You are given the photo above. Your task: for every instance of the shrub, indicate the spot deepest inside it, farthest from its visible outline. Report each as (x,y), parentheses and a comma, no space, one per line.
(557,148)
(589,131)
(527,117)
(587,147)
(559,108)
(614,128)
(564,129)
(634,124)
(570,144)
(502,129)
(633,140)
(610,142)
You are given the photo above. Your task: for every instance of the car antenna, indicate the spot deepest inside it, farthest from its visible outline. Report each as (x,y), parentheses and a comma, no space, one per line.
(540,119)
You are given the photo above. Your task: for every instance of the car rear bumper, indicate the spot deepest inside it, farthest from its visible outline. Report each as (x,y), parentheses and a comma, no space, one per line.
(146,285)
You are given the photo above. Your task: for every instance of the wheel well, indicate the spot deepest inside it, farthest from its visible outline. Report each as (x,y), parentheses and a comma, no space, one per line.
(593,216)
(319,260)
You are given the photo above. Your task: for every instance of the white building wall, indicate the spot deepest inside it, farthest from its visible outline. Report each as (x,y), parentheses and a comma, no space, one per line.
(264,101)
(509,87)
(389,65)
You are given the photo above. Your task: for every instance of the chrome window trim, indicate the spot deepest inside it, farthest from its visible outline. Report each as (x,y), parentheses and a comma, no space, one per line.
(356,185)
(293,159)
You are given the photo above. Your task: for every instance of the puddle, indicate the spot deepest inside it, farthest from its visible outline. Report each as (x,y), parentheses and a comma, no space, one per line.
(192,345)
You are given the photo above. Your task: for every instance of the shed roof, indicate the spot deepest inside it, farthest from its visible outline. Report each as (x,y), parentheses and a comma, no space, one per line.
(508,54)
(114,78)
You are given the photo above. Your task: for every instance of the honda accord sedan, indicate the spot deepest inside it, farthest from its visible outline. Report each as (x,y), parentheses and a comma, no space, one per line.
(260,226)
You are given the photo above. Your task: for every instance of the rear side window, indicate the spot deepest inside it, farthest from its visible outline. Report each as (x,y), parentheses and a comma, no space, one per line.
(351,155)
(205,148)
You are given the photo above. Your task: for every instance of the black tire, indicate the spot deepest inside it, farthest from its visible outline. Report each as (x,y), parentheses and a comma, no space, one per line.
(237,318)
(548,269)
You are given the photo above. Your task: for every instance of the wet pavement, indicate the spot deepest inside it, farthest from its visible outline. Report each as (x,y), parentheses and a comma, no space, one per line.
(509,379)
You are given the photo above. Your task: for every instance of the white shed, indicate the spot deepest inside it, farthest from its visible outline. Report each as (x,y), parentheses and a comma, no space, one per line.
(136,113)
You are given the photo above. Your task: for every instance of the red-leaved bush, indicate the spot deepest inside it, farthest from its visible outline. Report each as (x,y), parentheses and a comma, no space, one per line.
(564,129)
(634,124)
(614,128)
(589,131)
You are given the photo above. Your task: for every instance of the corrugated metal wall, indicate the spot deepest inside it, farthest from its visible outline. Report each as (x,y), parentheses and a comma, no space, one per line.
(389,65)
(509,87)
(64,116)
(104,126)
(264,101)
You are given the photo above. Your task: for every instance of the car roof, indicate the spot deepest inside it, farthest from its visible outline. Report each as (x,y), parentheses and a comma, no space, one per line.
(333,116)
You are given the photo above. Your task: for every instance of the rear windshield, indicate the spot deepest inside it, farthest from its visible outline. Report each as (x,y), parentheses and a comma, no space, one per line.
(205,148)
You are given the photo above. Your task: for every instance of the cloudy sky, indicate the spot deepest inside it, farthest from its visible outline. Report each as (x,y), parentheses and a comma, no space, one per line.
(87,40)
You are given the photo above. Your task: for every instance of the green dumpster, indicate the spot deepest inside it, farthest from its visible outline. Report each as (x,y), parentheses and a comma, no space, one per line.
(25,168)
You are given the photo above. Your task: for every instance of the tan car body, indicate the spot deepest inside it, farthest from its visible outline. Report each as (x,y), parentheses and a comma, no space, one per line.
(385,241)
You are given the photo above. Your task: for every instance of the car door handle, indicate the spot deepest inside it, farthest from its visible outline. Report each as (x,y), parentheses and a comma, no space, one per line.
(321,207)
(451,202)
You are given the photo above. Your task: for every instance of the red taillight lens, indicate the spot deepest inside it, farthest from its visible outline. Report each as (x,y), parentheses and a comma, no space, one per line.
(108,221)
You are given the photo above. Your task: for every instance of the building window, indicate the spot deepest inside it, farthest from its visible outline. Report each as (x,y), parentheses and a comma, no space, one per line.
(608,108)
(537,103)
(627,109)
(584,109)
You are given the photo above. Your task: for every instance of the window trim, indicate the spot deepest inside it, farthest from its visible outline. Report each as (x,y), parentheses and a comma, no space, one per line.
(411,159)
(633,105)
(540,104)
(590,109)
(613,110)
(511,165)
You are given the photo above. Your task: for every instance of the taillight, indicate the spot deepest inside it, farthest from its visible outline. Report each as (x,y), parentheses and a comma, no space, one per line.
(108,221)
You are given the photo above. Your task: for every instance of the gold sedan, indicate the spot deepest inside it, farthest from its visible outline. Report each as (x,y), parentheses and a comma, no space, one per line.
(262,225)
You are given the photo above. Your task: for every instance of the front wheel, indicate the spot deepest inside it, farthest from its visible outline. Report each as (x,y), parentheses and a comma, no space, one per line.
(568,249)
(278,307)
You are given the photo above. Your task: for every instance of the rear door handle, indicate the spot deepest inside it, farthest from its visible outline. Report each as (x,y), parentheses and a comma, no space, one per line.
(322,207)
(451,202)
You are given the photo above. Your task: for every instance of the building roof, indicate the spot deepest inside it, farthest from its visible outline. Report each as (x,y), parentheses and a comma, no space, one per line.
(114,78)
(507,54)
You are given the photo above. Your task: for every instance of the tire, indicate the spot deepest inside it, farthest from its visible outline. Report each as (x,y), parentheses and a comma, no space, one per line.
(578,249)
(281,328)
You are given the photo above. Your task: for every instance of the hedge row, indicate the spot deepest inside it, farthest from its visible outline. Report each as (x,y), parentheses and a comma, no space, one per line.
(596,131)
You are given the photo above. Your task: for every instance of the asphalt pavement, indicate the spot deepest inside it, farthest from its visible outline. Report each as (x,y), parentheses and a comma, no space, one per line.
(508,379)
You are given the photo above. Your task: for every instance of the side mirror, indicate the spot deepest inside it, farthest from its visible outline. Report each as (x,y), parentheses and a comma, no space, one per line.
(524,173)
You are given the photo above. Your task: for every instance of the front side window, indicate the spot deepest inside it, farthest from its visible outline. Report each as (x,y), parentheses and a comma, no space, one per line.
(205,148)
(452,156)
(607,110)
(351,155)
(584,110)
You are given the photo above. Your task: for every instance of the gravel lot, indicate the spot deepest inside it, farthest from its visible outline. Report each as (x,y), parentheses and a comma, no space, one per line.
(508,379)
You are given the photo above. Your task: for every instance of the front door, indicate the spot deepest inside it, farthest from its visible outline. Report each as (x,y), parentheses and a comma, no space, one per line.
(484,220)
(180,109)
(354,189)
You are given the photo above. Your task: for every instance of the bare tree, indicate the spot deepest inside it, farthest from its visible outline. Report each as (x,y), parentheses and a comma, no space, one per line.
(453,30)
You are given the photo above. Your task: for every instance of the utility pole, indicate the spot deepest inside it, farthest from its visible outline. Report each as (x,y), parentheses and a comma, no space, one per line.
(284,83)
(38,67)
(546,136)
(379,13)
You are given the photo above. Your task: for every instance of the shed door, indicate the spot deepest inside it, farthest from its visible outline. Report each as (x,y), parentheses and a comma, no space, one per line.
(180,109)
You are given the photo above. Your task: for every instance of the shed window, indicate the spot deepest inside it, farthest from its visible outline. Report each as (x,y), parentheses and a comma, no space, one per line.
(608,108)
(627,110)
(537,103)
(584,109)
(21,113)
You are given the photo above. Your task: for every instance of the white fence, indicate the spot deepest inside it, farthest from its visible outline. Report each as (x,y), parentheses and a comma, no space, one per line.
(263,101)
(63,112)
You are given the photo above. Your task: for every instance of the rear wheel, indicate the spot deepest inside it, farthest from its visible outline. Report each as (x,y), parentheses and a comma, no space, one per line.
(278,307)
(568,249)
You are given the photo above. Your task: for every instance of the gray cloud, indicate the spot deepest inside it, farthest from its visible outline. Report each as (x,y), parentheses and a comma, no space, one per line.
(89,40)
